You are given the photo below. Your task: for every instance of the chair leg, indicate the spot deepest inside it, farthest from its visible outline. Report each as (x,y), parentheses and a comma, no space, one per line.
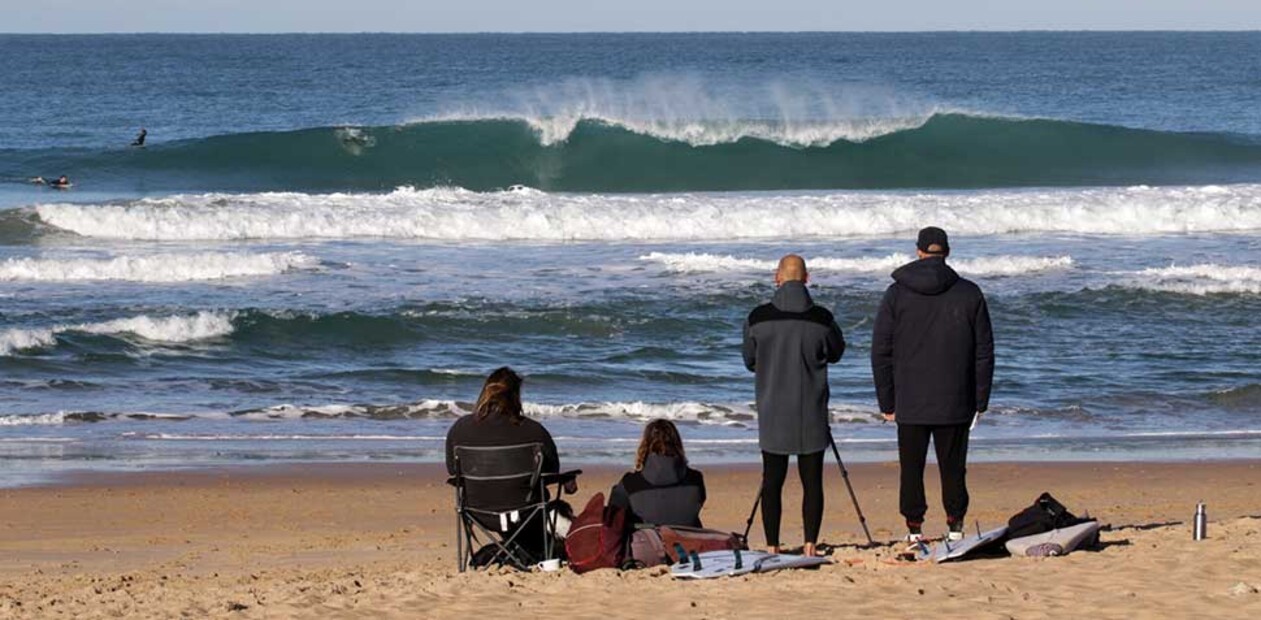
(460,562)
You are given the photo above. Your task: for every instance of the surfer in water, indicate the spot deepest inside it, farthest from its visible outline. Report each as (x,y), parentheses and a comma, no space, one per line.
(61,182)
(139,141)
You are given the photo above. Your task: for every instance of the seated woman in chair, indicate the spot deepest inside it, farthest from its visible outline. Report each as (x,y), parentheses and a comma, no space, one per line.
(662,490)
(498,421)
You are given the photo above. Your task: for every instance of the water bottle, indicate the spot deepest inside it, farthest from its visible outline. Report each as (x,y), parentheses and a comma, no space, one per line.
(1201,522)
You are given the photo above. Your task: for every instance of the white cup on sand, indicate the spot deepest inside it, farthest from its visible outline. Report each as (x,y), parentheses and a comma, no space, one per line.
(549,566)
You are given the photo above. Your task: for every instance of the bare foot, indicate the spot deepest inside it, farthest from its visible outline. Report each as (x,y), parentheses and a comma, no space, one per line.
(809,550)
(773,549)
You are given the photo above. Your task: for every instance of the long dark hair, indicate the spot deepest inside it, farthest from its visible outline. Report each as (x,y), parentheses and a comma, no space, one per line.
(660,437)
(501,396)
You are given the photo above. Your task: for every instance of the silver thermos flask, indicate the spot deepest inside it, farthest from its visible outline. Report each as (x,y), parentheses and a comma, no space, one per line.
(1201,522)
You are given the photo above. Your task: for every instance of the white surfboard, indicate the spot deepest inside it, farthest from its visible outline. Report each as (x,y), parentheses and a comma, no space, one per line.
(945,551)
(1064,540)
(715,564)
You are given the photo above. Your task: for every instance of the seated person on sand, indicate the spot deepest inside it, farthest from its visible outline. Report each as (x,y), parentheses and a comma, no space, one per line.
(498,420)
(662,490)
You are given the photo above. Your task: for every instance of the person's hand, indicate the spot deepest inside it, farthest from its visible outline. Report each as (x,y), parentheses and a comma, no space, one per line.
(571,486)
(889,417)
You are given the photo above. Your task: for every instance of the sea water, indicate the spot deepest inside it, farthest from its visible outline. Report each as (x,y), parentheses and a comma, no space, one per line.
(328,241)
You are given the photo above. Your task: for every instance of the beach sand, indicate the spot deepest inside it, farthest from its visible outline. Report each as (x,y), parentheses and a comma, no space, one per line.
(377,540)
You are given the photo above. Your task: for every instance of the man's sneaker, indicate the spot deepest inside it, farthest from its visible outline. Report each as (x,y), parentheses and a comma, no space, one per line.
(956,531)
(915,531)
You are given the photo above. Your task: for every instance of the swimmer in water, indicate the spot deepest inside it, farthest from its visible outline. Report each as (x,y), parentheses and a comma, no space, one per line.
(62,182)
(139,141)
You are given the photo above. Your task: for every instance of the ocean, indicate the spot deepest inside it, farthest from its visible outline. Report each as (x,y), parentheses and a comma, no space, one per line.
(329,240)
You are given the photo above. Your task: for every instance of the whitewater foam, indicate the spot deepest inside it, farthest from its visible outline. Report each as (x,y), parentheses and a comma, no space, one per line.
(730,414)
(525,214)
(1203,279)
(169,329)
(693,262)
(155,268)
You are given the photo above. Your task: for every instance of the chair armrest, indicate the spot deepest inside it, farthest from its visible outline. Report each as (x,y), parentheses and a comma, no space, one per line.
(561,477)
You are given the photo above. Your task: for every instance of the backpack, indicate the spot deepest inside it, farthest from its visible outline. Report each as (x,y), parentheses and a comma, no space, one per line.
(646,549)
(1044,515)
(596,538)
(698,539)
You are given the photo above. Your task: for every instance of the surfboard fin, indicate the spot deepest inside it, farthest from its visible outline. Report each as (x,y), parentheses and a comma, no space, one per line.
(696,561)
(739,560)
(680,553)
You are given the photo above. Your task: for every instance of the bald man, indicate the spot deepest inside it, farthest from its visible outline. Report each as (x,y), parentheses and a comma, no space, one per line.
(788,344)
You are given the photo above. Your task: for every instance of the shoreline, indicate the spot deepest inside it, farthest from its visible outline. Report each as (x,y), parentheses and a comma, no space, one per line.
(377,539)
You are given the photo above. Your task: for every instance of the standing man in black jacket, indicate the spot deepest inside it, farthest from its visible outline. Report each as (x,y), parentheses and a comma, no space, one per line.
(789,343)
(932,356)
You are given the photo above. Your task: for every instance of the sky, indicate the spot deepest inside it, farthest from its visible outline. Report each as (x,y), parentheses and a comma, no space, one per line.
(90,16)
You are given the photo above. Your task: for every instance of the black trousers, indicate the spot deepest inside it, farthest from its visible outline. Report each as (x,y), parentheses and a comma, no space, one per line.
(951,443)
(774,473)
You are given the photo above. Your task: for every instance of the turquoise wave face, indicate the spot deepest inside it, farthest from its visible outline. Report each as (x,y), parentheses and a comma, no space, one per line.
(943,151)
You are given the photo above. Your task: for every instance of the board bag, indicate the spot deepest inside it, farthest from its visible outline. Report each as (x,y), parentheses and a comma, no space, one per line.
(696,539)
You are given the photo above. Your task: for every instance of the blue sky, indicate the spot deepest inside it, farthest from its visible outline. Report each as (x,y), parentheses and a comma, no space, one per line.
(619,15)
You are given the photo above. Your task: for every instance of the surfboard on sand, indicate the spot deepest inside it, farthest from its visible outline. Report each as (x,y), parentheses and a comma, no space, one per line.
(1054,542)
(713,564)
(945,551)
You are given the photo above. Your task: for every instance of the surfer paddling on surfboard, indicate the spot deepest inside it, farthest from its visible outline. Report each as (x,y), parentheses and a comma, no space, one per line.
(932,358)
(788,344)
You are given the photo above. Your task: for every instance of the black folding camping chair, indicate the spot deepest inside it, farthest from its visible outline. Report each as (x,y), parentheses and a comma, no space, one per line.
(522,507)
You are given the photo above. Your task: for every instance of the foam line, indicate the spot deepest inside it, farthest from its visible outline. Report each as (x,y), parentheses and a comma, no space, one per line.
(449,214)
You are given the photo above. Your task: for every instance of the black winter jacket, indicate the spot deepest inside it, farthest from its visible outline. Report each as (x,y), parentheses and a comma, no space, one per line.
(789,343)
(932,349)
(665,492)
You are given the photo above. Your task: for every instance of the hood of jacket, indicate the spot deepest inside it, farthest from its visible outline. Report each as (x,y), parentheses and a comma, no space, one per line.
(792,296)
(662,470)
(927,276)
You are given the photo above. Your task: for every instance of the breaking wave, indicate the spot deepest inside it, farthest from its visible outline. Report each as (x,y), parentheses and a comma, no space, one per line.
(599,151)
(693,262)
(168,329)
(1205,279)
(159,268)
(452,214)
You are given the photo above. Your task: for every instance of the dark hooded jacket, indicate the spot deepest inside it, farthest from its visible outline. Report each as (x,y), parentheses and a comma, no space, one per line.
(665,492)
(932,349)
(789,343)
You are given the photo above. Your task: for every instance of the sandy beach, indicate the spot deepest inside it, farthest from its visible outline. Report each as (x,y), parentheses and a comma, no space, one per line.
(333,541)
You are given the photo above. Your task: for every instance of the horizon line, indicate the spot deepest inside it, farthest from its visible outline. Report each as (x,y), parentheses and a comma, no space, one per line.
(630,32)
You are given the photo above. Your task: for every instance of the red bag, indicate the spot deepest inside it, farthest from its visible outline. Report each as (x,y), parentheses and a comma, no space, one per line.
(700,540)
(597,537)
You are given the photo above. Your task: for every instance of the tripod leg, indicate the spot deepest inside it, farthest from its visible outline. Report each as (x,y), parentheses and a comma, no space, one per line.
(845,475)
(748,526)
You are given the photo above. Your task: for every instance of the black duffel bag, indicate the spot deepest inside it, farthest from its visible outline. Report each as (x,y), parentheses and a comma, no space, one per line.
(1044,515)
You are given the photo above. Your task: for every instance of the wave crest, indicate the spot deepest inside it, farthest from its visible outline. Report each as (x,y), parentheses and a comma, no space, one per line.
(692,262)
(452,214)
(157,268)
(602,151)
(1203,279)
(169,330)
